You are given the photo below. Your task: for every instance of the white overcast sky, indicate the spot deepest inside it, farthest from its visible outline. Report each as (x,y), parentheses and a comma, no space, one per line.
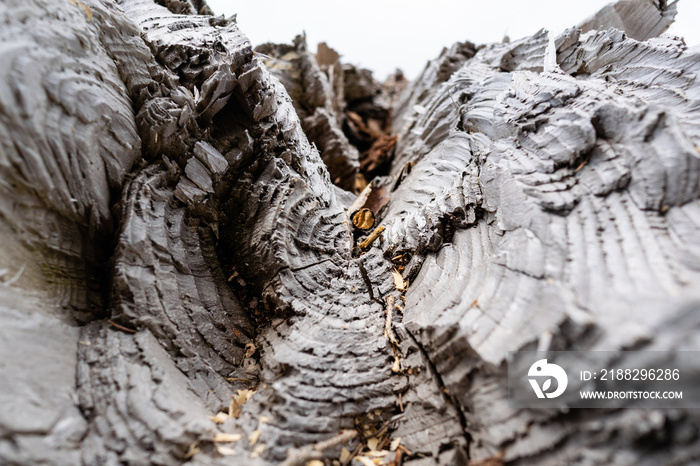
(385,34)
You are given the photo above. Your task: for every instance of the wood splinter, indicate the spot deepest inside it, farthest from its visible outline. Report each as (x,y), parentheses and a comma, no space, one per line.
(371,238)
(299,457)
(388,330)
(121,327)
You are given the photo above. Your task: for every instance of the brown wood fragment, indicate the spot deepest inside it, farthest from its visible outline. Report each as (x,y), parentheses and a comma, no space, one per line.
(237,402)
(371,238)
(363,219)
(377,198)
(326,56)
(360,182)
(374,197)
(249,348)
(399,456)
(121,327)
(238,379)
(359,124)
(379,154)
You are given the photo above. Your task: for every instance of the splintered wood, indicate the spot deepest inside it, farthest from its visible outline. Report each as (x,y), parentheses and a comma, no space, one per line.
(237,402)
(299,457)
(389,332)
(235,406)
(378,449)
(399,282)
(371,238)
(388,329)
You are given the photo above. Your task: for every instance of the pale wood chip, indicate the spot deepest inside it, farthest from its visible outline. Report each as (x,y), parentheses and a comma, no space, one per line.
(237,402)
(396,367)
(254,437)
(258,450)
(220,418)
(223,437)
(225,451)
(399,282)
(249,350)
(192,450)
(372,443)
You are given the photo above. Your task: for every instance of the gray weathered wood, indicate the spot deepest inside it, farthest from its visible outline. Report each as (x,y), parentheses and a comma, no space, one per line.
(170,237)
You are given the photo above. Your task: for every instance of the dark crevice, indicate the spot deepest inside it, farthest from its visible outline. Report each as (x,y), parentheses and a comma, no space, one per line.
(449,399)
(366,279)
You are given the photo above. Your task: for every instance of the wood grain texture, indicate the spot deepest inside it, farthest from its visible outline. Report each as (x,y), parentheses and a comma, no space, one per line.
(578,198)
(318,98)
(68,138)
(175,230)
(640,20)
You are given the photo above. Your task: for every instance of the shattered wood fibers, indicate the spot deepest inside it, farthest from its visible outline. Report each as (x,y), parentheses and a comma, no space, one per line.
(219,255)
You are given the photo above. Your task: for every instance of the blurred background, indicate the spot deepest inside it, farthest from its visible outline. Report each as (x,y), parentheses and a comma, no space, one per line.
(383,35)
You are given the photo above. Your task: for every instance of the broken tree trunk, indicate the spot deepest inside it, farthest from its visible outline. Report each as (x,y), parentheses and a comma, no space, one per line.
(182,280)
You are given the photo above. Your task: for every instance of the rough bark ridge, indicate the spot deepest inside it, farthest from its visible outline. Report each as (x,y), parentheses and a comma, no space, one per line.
(318,99)
(171,239)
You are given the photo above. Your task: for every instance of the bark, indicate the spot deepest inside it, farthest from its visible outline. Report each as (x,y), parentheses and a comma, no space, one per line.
(171,239)
(318,99)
